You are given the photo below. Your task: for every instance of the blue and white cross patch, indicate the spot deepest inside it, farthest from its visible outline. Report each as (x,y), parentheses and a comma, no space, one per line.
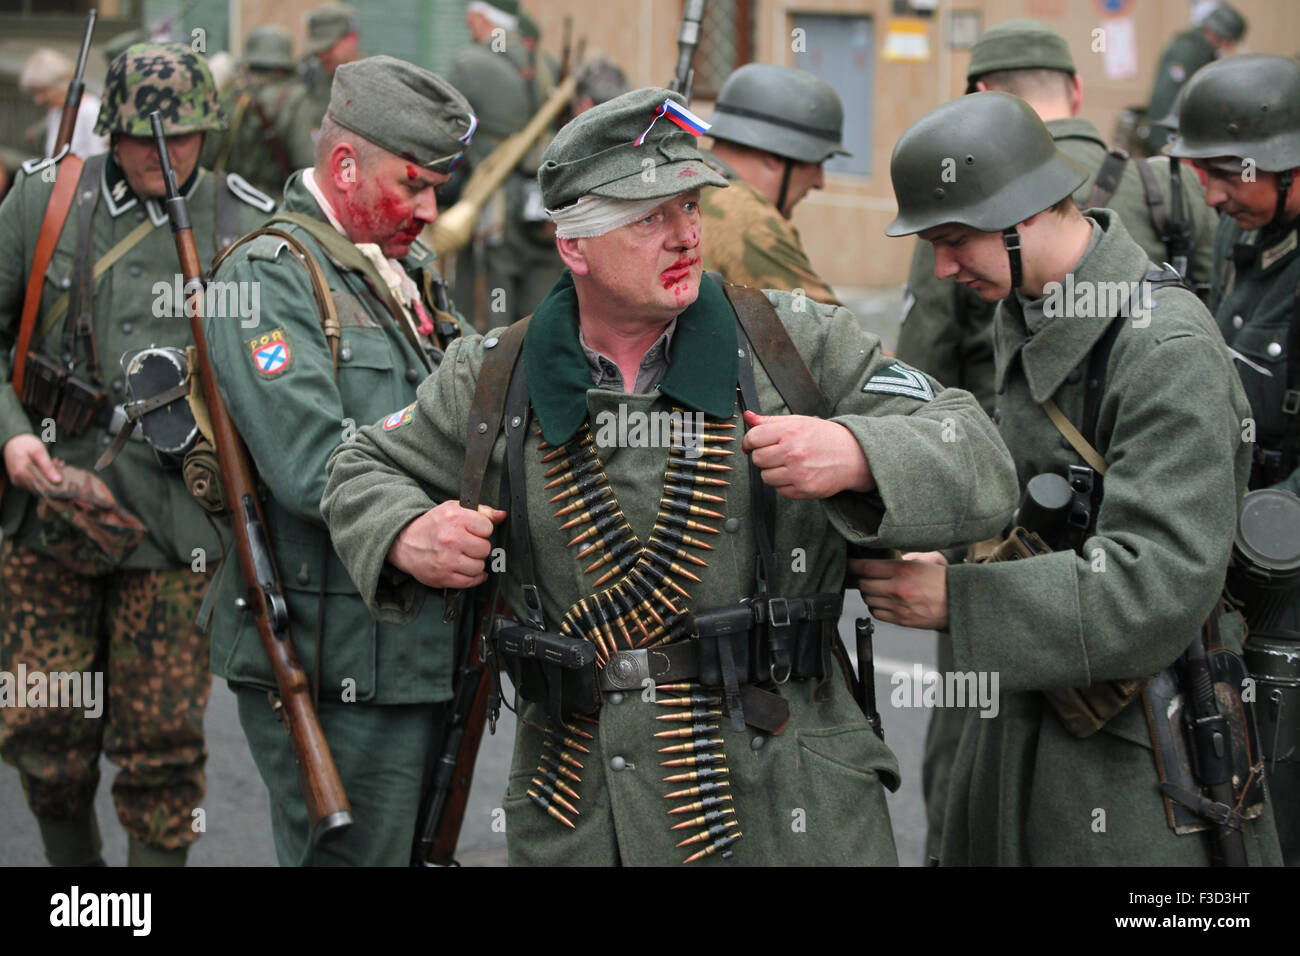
(270,353)
(898,379)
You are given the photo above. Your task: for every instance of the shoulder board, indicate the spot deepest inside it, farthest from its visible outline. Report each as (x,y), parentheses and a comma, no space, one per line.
(1166,275)
(420,256)
(245,191)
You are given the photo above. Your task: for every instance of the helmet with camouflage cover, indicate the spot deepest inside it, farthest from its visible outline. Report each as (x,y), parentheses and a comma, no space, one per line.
(167,77)
(780,110)
(1244,106)
(985,161)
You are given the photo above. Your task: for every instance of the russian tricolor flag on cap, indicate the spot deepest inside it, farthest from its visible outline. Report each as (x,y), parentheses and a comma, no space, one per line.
(678,114)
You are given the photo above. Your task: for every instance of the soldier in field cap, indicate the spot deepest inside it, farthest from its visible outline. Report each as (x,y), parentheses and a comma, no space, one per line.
(356,215)
(333,39)
(702,713)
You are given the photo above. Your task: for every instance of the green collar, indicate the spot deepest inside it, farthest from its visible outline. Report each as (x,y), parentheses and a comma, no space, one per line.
(1075,128)
(701,374)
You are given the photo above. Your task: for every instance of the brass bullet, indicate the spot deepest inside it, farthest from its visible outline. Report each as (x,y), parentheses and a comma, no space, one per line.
(677,521)
(682,686)
(700,790)
(714,847)
(608,531)
(585,719)
(680,537)
(717,830)
(639,577)
(693,494)
(642,600)
(668,549)
(585,501)
(579,731)
(625,554)
(554,796)
(564,449)
(695,760)
(564,755)
(704,773)
(582,486)
(554,779)
(591,514)
(696,464)
(629,606)
(666,564)
(594,628)
(683,508)
(694,730)
(560,769)
(691,715)
(695,479)
(704,804)
(678,449)
(574,472)
(551,810)
(692,746)
(695,700)
(704,819)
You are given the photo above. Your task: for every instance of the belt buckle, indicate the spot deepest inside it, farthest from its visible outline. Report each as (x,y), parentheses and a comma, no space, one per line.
(772,605)
(626,670)
(1291,402)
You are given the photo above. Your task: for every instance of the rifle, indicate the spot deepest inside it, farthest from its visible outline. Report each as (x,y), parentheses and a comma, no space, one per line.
(72,102)
(327,804)
(443,810)
(688,40)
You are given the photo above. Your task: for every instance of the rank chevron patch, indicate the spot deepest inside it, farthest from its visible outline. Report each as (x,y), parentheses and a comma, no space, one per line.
(898,379)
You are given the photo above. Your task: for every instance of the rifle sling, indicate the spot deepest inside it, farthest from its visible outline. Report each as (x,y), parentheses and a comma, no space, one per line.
(1108,177)
(56,214)
(1155,201)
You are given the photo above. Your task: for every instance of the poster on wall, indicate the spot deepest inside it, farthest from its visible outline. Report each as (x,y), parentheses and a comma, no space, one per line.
(907,40)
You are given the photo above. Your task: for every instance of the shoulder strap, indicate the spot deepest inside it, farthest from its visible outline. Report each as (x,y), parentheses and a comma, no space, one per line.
(320,290)
(488,408)
(1155,201)
(228,138)
(56,214)
(775,350)
(1108,177)
(227,219)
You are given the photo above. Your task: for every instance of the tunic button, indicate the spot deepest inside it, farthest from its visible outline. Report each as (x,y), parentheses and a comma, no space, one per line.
(757,742)
(139,215)
(65,283)
(106,440)
(1274,349)
(731,525)
(345,354)
(117,386)
(997,416)
(135,272)
(304,575)
(617,763)
(1076,373)
(412,375)
(127,328)
(1238,321)
(615,698)
(490,343)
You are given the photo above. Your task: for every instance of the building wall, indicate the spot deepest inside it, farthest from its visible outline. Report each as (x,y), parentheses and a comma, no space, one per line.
(843,225)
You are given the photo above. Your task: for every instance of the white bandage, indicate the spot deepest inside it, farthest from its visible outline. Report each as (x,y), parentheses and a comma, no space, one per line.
(596,215)
(496,16)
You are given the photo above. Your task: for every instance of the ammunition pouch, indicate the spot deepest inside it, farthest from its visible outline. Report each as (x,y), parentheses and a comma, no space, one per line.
(50,391)
(549,668)
(1083,711)
(734,648)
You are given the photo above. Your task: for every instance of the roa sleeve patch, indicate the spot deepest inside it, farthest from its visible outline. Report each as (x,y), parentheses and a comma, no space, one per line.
(400,417)
(270,352)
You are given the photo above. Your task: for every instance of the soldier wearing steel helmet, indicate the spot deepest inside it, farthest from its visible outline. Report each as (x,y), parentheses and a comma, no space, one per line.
(1057,777)
(1240,124)
(122,602)
(947,330)
(1216,34)
(773,127)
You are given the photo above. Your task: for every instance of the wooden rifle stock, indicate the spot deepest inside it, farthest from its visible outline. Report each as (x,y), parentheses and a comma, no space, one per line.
(72,102)
(443,812)
(328,809)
